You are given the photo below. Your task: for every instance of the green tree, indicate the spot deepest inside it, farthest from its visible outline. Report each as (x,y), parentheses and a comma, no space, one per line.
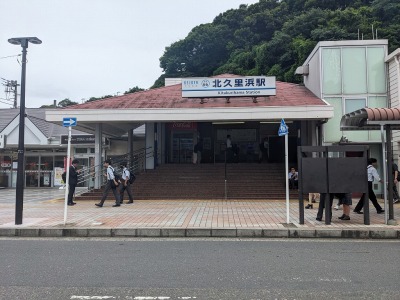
(274,37)
(134,90)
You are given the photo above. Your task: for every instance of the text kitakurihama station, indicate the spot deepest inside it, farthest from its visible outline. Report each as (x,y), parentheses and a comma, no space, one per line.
(251,86)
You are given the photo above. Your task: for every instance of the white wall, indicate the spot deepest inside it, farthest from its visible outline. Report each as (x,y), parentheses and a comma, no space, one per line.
(313,80)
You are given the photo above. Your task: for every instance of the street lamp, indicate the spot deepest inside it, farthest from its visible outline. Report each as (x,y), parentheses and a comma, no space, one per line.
(19,198)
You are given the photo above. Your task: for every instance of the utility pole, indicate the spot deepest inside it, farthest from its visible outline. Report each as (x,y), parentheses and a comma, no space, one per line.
(12,87)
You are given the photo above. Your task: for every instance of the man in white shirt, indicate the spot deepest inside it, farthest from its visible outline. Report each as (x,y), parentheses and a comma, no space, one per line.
(372,175)
(293,178)
(125,185)
(112,184)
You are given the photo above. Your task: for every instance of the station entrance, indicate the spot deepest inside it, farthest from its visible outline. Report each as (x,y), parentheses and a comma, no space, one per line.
(252,142)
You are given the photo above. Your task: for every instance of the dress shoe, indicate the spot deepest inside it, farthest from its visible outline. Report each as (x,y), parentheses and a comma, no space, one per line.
(358,212)
(342,216)
(99,205)
(345,218)
(71,204)
(129,202)
(380,211)
(318,219)
(116,205)
(309,206)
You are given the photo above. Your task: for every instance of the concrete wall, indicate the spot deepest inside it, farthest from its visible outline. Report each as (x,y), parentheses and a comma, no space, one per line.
(313,80)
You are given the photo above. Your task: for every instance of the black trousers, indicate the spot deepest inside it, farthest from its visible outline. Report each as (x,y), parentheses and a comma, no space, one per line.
(372,197)
(395,192)
(106,190)
(293,184)
(128,190)
(71,193)
(321,207)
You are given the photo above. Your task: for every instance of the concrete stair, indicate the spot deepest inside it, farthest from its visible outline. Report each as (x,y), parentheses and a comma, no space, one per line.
(207,181)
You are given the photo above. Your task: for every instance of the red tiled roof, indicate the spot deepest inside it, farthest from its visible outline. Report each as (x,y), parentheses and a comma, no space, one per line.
(287,94)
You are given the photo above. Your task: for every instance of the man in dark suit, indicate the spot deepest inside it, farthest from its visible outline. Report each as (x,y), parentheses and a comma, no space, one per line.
(73,180)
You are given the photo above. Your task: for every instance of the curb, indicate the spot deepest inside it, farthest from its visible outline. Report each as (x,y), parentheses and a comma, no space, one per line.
(203,232)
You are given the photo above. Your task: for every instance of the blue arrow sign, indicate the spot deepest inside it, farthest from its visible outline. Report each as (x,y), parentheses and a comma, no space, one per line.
(67,122)
(283,129)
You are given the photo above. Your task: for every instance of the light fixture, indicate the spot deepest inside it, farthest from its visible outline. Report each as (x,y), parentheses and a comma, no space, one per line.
(275,122)
(224,123)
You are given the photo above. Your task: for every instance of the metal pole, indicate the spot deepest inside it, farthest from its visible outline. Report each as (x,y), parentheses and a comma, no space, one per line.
(300,182)
(15,93)
(384,173)
(287,178)
(67,175)
(226,188)
(19,197)
(390,173)
(366,195)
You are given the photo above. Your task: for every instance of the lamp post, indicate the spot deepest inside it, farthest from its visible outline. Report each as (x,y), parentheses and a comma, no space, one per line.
(19,197)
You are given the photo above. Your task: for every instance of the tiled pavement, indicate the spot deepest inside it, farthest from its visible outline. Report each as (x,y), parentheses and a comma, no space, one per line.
(45,211)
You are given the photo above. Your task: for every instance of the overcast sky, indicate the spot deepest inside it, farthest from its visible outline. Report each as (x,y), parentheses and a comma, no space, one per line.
(93,48)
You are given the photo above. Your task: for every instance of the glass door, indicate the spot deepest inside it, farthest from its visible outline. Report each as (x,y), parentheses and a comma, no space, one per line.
(182,148)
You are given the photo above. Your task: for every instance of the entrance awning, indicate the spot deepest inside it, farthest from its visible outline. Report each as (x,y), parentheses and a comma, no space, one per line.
(371,119)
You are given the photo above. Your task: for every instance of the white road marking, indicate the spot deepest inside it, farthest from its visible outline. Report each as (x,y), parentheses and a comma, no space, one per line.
(93,297)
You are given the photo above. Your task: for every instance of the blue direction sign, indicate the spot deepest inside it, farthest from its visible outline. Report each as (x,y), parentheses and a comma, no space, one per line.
(67,122)
(283,129)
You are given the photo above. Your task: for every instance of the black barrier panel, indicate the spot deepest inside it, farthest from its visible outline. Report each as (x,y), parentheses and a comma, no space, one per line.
(312,173)
(347,175)
(332,170)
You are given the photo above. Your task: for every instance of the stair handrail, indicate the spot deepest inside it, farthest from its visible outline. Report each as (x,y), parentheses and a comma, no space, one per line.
(137,165)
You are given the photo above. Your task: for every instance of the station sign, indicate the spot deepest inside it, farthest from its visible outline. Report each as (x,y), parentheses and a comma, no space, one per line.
(248,86)
(78,139)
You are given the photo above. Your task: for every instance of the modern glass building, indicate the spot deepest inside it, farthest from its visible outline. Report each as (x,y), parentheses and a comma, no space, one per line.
(349,75)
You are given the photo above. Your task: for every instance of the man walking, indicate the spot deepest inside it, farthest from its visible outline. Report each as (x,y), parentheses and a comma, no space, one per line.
(112,184)
(372,175)
(73,181)
(125,184)
(395,172)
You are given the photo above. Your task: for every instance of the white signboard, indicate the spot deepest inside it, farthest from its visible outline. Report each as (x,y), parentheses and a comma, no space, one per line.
(249,86)
(57,176)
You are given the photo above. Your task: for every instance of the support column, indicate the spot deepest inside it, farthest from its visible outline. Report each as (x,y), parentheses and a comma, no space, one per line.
(155,145)
(98,160)
(391,220)
(130,147)
(150,146)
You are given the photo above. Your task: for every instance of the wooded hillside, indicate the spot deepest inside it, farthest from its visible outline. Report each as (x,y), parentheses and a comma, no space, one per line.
(274,37)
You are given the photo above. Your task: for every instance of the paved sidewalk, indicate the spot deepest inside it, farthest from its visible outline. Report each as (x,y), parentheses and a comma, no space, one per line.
(45,216)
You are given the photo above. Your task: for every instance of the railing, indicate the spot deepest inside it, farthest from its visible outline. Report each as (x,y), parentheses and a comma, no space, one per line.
(135,166)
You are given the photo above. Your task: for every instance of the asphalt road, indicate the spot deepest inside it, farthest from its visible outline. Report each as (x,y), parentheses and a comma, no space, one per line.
(149,269)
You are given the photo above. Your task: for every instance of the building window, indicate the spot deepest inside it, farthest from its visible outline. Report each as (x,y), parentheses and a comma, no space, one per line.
(353,104)
(80,150)
(332,76)
(376,70)
(354,71)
